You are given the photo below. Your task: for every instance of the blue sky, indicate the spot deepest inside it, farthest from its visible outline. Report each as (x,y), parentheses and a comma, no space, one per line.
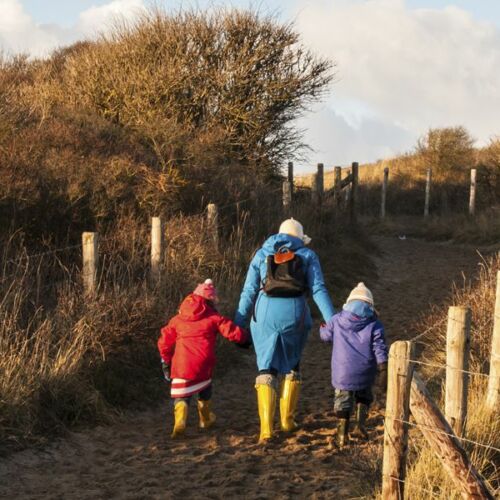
(65,13)
(403,66)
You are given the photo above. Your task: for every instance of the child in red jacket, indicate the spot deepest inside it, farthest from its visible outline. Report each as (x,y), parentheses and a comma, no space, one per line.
(187,349)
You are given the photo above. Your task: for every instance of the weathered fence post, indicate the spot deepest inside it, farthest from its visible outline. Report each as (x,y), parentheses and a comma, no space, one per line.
(157,247)
(213,222)
(90,255)
(442,441)
(427,192)
(384,192)
(318,184)
(354,191)
(493,397)
(457,362)
(290,174)
(287,196)
(400,371)
(472,199)
(338,186)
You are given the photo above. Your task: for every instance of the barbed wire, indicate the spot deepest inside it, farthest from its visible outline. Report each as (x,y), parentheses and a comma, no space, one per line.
(437,431)
(435,365)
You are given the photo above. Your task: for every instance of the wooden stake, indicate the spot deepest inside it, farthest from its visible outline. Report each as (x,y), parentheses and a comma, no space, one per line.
(457,360)
(354,191)
(427,192)
(384,192)
(396,413)
(338,187)
(157,248)
(472,199)
(290,173)
(213,222)
(493,396)
(287,196)
(318,184)
(90,255)
(443,442)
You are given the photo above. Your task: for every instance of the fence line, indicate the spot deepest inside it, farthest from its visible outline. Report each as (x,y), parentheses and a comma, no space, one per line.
(437,431)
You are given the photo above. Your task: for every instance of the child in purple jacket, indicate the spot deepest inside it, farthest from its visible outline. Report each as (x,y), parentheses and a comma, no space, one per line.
(359,352)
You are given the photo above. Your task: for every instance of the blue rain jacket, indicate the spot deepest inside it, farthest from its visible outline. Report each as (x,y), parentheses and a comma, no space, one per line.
(280,326)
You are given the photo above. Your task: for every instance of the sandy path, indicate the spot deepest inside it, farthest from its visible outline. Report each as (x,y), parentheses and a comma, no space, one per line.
(135,458)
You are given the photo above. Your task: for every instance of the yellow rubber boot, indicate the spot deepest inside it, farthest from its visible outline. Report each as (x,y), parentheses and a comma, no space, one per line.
(207,417)
(266,398)
(180,416)
(289,398)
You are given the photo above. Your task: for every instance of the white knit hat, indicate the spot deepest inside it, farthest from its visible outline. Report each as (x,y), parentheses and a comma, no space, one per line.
(294,228)
(361,292)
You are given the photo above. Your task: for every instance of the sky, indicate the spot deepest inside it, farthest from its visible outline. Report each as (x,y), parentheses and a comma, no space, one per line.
(402,66)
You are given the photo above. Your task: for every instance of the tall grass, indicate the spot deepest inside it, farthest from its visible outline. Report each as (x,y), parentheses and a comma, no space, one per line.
(425,472)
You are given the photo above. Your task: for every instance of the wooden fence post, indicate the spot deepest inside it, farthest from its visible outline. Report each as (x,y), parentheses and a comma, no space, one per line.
(457,361)
(400,371)
(442,441)
(90,255)
(157,247)
(384,192)
(427,192)
(287,196)
(354,191)
(338,186)
(290,174)
(213,222)
(493,396)
(472,199)
(318,184)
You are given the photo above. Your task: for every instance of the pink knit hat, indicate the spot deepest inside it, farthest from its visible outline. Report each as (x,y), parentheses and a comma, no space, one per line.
(207,290)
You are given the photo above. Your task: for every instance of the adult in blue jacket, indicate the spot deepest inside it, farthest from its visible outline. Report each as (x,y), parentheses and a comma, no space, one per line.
(280,325)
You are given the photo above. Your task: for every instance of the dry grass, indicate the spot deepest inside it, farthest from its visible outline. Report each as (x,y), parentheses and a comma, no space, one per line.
(424,472)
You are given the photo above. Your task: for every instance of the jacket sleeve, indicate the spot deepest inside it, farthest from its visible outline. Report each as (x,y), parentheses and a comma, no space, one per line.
(318,289)
(166,343)
(378,344)
(249,293)
(231,331)
(326,331)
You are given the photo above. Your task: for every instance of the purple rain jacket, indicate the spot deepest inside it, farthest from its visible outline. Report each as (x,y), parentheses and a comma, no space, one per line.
(358,347)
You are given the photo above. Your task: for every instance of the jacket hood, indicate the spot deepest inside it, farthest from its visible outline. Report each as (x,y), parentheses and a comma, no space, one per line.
(350,321)
(276,241)
(193,308)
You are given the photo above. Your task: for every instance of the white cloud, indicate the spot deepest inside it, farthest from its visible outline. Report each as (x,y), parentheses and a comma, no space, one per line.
(20,33)
(412,69)
(95,19)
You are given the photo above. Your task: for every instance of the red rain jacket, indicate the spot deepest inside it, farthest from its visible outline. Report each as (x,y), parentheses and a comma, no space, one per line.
(187,342)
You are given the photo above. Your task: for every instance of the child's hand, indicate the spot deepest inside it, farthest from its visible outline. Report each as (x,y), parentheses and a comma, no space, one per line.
(382,376)
(166,371)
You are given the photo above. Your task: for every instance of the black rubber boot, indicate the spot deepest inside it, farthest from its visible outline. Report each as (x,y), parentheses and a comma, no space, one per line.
(361,416)
(343,432)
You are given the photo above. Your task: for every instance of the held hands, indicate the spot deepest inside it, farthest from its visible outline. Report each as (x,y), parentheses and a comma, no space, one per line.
(247,344)
(166,371)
